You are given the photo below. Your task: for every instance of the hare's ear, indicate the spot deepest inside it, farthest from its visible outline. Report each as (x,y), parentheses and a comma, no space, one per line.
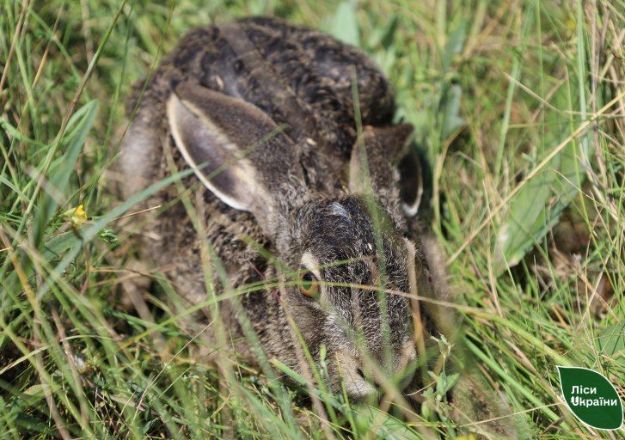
(374,160)
(389,162)
(375,156)
(224,140)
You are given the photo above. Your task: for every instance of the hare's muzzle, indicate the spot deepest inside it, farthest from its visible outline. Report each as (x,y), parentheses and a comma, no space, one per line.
(361,375)
(352,374)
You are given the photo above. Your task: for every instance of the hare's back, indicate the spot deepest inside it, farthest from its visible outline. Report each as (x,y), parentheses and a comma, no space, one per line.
(299,77)
(334,65)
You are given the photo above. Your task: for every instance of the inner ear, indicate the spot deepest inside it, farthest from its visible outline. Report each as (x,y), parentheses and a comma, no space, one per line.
(411,182)
(216,160)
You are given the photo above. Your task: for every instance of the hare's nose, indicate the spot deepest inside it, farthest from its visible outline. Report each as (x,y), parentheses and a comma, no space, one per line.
(358,389)
(406,366)
(408,353)
(352,375)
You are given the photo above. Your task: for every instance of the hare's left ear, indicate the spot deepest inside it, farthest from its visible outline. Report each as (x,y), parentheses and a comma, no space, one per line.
(237,151)
(374,164)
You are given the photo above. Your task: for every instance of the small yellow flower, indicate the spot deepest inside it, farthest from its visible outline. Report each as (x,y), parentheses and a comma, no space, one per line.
(571,24)
(77,216)
(466,437)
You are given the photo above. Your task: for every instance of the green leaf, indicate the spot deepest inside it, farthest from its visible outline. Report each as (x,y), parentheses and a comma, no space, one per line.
(14,133)
(526,221)
(59,244)
(345,25)
(534,210)
(454,46)
(450,109)
(388,427)
(62,168)
(591,397)
(612,339)
(384,36)
(41,389)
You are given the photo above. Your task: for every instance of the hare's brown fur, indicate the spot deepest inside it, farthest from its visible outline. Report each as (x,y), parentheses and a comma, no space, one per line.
(307,87)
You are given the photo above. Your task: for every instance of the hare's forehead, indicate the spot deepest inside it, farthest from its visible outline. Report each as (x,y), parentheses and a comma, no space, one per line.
(337,220)
(343,230)
(340,236)
(337,209)
(352,216)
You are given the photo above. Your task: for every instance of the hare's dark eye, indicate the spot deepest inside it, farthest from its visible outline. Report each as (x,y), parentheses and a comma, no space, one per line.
(308,284)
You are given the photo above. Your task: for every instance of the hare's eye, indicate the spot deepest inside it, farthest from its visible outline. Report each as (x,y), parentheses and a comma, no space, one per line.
(308,284)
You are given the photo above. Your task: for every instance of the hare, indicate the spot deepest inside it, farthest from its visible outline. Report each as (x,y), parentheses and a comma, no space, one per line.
(286,187)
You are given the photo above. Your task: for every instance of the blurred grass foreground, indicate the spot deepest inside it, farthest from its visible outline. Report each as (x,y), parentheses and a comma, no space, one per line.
(520,106)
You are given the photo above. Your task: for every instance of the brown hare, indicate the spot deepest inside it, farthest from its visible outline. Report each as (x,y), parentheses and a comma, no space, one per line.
(287,188)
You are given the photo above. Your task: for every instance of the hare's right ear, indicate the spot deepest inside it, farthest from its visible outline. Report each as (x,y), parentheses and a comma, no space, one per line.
(373,163)
(230,145)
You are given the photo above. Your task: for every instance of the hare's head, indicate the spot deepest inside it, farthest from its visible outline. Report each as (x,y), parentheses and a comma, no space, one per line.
(346,268)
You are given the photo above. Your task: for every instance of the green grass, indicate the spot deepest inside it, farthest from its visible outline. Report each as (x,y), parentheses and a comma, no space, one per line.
(520,107)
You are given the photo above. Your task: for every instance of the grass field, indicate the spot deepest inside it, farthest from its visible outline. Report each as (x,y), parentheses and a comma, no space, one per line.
(520,105)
